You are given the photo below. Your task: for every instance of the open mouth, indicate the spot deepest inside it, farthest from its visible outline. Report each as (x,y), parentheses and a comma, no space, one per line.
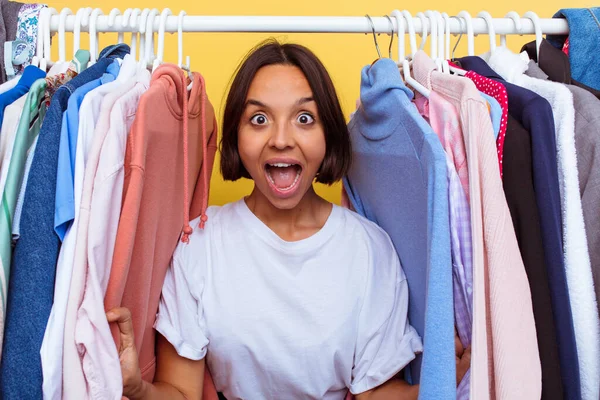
(283,176)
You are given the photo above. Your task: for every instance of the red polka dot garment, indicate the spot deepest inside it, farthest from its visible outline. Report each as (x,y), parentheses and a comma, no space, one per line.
(498,92)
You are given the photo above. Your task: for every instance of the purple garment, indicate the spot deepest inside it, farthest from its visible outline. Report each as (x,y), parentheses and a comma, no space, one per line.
(460,231)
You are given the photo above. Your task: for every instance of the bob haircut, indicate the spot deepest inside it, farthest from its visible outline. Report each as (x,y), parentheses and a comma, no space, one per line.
(338,150)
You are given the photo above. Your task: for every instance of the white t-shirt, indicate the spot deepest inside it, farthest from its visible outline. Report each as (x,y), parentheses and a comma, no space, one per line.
(289,320)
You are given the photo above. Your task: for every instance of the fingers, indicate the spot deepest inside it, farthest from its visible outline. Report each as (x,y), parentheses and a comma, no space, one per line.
(122,316)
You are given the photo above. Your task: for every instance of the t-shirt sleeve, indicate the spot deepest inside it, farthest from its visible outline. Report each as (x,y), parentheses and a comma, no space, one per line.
(180,316)
(386,342)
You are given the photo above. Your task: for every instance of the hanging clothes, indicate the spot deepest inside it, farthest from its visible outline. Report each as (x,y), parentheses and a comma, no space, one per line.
(80,120)
(577,263)
(27,131)
(155,174)
(555,64)
(35,254)
(515,374)
(387,172)
(89,346)
(443,118)
(535,114)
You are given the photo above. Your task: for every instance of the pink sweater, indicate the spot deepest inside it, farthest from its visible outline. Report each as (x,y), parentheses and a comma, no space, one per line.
(170,148)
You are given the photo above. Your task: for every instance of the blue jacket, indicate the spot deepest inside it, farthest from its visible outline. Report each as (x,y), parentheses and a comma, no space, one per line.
(584,43)
(535,114)
(30,75)
(398,180)
(31,286)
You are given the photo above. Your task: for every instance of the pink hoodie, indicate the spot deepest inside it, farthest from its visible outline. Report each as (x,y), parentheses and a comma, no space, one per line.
(168,151)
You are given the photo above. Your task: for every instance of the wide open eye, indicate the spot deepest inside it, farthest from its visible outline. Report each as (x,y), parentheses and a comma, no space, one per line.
(258,119)
(305,119)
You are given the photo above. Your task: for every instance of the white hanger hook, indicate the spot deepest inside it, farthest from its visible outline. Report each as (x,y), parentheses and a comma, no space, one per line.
(441,30)
(142,29)
(446,18)
(161,33)
(538,30)
(49,12)
(62,46)
(131,22)
(149,52)
(180,38)
(412,36)
(401,32)
(82,17)
(470,36)
(112,16)
(434,33)
(94,38)
(423,19)
(518,26)
(491,31)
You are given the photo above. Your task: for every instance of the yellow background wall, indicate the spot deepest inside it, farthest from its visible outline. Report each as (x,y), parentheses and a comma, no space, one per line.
(216,55)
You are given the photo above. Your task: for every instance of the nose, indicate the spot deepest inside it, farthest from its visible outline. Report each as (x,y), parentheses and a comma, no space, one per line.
(282,137)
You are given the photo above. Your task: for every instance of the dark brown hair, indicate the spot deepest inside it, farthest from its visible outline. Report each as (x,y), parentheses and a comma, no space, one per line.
(337,139)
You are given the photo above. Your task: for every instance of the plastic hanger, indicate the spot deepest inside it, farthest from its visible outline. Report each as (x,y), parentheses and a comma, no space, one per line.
(141,25)
(130,20)
(94,37)
(62,46)
(402,60)
(491,31)
(400,23)
(433,51)
(81,57)
(185,67)
(412,36)
(161,39)
(423,19)
(112,16)
(517,21)
(149,51)
(446,54)
(46,61)
(470,36)
(538,30)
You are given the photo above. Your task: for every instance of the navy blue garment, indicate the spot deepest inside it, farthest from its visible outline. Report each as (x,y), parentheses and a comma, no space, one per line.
(584,43)
(33,268)
(535,114)
(30,75)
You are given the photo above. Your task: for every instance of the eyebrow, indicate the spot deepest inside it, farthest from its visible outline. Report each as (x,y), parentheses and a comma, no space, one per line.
(257,103)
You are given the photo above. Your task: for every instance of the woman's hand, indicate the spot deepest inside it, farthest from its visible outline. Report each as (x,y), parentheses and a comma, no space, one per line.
(133,385)
(463,358)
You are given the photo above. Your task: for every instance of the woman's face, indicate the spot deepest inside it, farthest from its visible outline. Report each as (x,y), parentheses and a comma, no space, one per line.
(281,139)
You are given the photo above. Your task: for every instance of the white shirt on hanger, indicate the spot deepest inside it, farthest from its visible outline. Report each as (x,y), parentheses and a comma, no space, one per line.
(52,345)
(578,268)
(109,383)
(295,320)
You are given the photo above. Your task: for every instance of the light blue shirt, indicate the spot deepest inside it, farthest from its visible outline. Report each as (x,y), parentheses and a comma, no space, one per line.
(398,179)
(495,112)
(64,206)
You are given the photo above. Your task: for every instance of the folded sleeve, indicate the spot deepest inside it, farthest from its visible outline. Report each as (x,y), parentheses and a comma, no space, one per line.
(386,342)
(180,316)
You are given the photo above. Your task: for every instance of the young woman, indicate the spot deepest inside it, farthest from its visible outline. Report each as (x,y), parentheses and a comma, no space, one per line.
(283,294)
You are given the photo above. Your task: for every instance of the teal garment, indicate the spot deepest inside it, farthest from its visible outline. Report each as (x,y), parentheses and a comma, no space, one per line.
(495,112)
(30,123)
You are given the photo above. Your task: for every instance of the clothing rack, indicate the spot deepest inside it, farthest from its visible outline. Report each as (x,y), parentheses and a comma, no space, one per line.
(301,24)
